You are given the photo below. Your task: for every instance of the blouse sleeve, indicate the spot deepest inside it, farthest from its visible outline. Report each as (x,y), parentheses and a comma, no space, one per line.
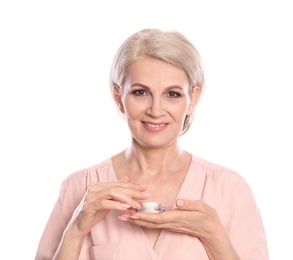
(244,224)
(71,192)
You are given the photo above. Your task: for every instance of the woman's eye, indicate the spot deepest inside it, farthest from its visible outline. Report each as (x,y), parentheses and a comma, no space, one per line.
(174,94)
(139,92)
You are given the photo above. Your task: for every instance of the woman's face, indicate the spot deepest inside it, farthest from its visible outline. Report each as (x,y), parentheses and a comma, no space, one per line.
(155,101)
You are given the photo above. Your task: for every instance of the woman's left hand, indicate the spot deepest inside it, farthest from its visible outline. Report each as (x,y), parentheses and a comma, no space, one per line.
(192,217)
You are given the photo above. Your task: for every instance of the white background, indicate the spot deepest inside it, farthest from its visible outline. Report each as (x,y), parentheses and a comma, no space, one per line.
(57,115)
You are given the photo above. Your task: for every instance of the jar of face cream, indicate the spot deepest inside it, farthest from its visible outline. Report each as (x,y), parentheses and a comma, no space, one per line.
(151,207)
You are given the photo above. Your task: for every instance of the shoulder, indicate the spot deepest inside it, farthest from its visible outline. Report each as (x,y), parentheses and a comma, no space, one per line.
(223,183)
(85,177)
(75,185)
(213,174)
(214,170)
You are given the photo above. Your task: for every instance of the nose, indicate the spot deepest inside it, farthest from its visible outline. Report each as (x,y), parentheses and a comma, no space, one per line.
(156,107)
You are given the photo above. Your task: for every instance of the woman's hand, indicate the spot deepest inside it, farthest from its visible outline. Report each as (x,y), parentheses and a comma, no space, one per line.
(98,201)
(194,218)
(105,196)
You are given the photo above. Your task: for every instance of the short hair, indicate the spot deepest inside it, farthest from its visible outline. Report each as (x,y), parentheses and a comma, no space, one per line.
(168,46)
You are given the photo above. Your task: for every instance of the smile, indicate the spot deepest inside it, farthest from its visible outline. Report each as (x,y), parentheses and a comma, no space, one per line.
(155,125)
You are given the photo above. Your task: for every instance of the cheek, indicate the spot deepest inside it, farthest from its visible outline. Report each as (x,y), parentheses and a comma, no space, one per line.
(180,111)
(133,109)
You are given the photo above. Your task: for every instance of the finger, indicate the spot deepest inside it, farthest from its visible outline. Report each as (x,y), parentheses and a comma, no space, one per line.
(125,179)
(149,221)
(173,220)
(103,204)
(124,183)
(130,197)
(195,205)
(117,186)
(118,193)
(127,195)
(125,216)
(157,218)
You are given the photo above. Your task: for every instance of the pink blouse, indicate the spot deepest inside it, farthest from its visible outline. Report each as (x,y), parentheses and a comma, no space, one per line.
(111,238)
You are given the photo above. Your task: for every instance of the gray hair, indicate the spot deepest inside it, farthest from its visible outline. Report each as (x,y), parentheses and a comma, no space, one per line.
(168,46)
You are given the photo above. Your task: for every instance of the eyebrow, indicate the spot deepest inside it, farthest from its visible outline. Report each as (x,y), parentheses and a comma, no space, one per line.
(146,87)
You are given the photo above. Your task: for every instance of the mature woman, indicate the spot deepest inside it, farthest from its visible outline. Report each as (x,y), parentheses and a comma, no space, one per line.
(205,211)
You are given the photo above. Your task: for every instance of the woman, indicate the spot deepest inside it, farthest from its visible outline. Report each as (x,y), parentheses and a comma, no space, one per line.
(208,211)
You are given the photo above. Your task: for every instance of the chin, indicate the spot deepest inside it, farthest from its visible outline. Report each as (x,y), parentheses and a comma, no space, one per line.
(154,144)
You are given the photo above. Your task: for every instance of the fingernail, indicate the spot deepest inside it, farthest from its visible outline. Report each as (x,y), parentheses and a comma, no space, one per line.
(123,218)
(136,204)
(180,202)
(125,205)
(124,179)
(134,217)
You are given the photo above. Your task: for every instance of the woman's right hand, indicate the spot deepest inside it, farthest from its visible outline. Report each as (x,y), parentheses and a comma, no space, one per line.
(98,201)
(105,196)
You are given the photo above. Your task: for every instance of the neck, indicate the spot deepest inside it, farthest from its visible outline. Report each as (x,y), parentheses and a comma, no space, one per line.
(156,161)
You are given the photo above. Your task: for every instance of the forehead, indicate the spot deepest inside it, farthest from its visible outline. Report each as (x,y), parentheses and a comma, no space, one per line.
(153,71)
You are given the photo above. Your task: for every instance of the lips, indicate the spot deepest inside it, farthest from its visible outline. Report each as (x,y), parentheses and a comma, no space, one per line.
(155,127)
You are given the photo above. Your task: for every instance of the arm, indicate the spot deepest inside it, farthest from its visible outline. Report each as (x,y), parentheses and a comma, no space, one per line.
(239,234)
(195,218)
(71,193)
(244,224)
(71,245)
(209,230)
(98,201)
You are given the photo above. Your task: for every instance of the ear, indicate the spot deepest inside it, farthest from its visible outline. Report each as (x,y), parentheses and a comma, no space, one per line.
(117,93)
(194,97)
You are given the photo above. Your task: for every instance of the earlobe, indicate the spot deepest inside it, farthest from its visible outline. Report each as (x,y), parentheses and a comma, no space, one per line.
(120,106)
